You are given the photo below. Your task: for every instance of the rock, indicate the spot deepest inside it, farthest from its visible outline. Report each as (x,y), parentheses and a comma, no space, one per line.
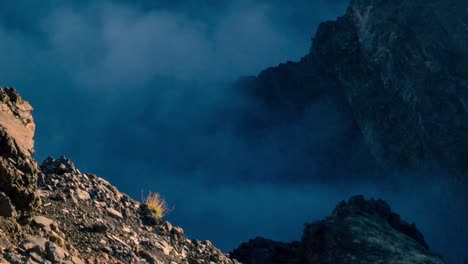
(17,120)
(34,244)
(58,166)
(83,195)
(378,208)
(114,213)
(177,231)
(54,253)
(363,230)
(6,208)
(43,222)
(167,226)
(15,258)
(100,227)
(147,256)
(36,257)
(77,260)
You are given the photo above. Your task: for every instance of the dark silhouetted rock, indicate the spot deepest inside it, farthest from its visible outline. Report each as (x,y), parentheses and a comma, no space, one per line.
(364,231)
(261,250)
(358,231)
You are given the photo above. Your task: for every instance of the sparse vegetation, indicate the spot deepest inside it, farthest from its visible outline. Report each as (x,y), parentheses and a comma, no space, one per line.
(156,204)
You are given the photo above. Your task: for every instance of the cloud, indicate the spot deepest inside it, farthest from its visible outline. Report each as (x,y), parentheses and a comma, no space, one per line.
(115,46)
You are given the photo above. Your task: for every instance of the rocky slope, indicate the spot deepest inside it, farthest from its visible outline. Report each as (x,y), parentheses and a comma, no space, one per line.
(398,69)
(56,214)
(358,231)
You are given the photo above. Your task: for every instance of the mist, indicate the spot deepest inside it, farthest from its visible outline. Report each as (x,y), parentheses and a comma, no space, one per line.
(140,93)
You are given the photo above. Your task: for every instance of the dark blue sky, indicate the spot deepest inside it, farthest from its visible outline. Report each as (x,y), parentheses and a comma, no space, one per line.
(137,92)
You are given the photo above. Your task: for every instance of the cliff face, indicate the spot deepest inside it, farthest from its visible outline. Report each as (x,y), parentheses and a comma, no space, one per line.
(403,66)
(18,171)
(398,69)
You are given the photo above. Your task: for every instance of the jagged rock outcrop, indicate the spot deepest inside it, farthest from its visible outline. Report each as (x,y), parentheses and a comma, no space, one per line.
(18,171)
(403,66)
(358,231)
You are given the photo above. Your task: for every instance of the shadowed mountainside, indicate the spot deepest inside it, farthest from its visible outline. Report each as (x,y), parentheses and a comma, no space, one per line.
(398,70)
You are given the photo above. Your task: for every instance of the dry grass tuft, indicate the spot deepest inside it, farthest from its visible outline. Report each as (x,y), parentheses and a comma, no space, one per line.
(156,204)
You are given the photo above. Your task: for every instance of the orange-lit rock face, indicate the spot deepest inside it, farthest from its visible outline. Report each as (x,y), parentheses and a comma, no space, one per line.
(16,118)
(18,170)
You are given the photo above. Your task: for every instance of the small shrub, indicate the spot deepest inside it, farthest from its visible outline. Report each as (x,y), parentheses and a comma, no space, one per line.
(156,204)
